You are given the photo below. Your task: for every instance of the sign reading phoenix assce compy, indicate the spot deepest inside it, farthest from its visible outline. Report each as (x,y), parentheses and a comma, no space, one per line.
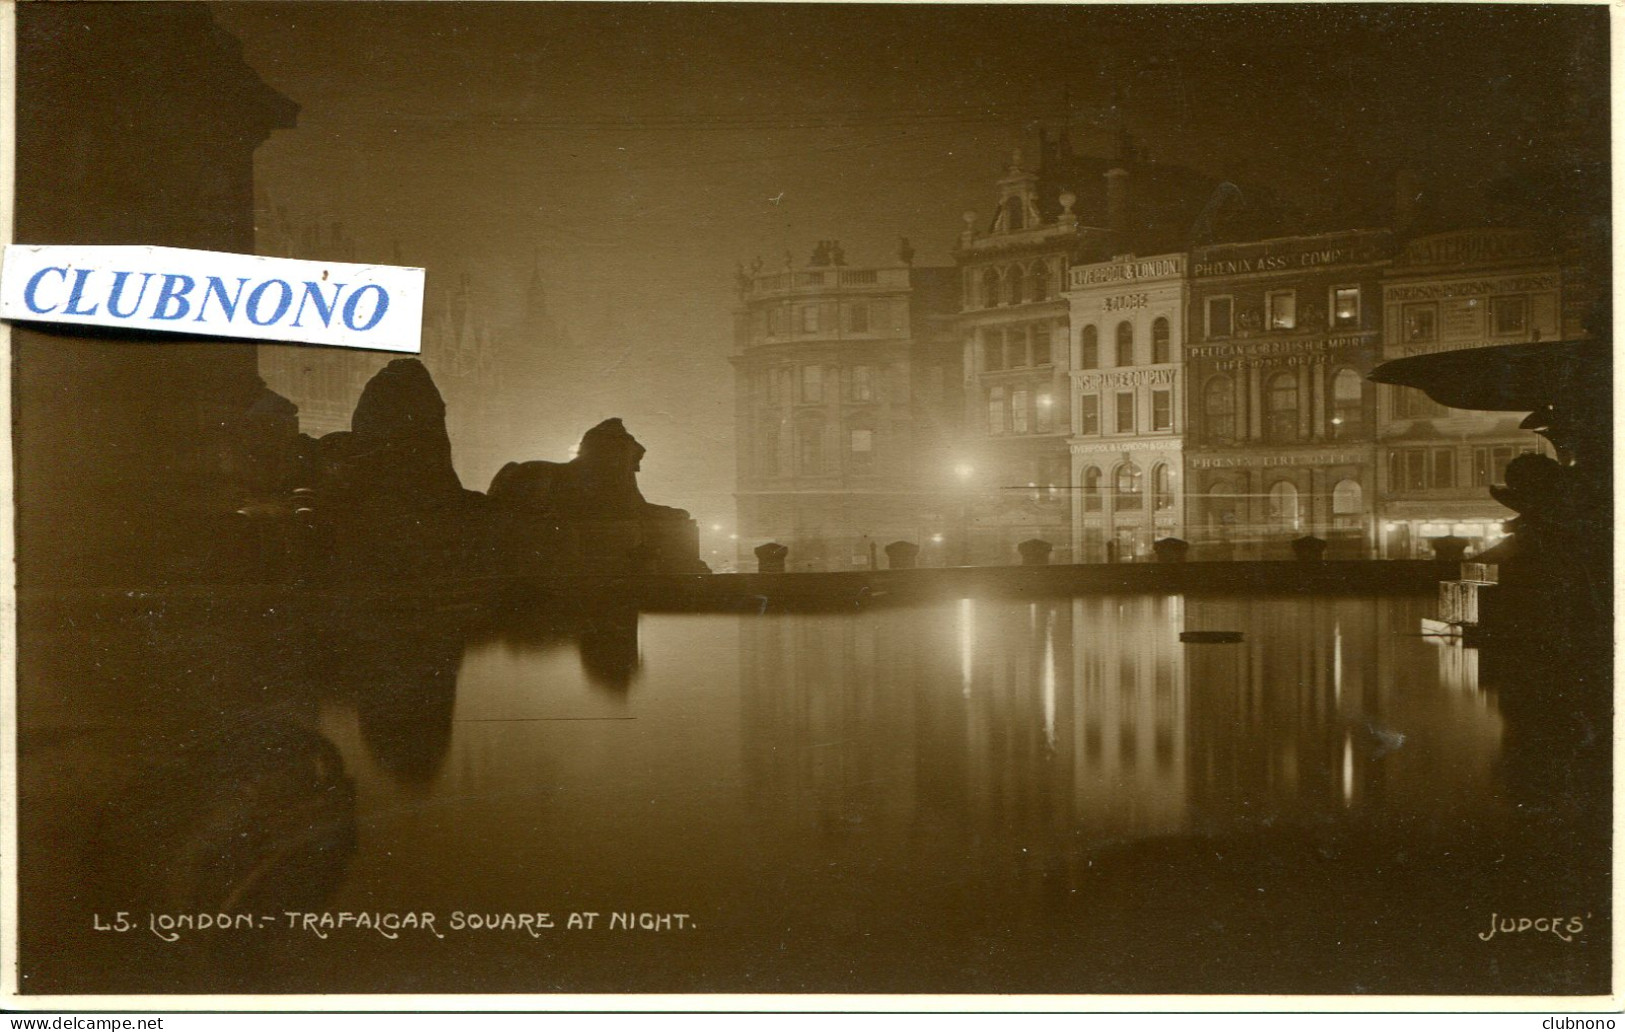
(215,294)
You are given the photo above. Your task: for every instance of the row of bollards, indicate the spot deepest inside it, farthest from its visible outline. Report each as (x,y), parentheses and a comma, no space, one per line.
(900,555)
(905,555)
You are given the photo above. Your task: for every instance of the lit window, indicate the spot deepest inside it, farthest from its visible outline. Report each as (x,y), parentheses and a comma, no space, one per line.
(1283,309)
(1346,307)
(1348,504)
(1018,411)
(1219,316)
(1046,414)
(863,441)
(1125,412)
(995,411)
(1162,493)
(1126,488)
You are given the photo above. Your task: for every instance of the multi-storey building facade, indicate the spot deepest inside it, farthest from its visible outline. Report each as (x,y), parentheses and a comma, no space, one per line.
(1128,405)
(1015,470)
(843,380)
(1444,292)
(1282,419)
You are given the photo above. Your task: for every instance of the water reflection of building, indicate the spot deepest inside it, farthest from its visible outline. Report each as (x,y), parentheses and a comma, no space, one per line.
(1282,421)
(846,391)
(1445,292)
(973,718)
(983,720)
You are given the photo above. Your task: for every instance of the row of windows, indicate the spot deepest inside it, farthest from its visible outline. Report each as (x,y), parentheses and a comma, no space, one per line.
(1425,469)
(1012,347)
(812,457)
(1282,508)
(1282,402)
(1281,312)
(811,384)
(1016,284)
(1021,411)
(1089,345)
(1123,415)
(824,317)
(1509,317)
(1128,488)
(1410,403)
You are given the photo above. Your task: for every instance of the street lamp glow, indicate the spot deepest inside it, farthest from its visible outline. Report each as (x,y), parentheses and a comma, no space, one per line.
(936,539)
(716,527)
(964,469)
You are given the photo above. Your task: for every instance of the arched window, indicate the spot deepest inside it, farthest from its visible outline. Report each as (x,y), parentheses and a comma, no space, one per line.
(1091,490)
(1348,395)
(1013,284)
(1281,407)
(1219,409)
(1159,342)
(1125,344)
(1089,348)
(1038,282)
(1283,506)
(1348,504)
(1162,488)
(1014,216)
(1126,488)
(990,288)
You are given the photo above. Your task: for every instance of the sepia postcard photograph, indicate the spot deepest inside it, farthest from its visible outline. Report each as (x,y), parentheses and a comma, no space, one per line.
(1081,501)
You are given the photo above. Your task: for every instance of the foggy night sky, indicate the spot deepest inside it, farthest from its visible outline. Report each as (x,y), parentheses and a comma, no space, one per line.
(635,148)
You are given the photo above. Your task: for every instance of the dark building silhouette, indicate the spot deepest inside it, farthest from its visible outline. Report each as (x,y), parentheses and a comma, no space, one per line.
(125,450)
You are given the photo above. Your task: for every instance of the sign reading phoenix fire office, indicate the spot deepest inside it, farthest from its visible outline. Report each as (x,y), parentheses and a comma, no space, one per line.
(215,294)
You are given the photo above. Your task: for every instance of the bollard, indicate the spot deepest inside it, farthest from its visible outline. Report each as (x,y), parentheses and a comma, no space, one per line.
(902,555)
(1035,552)
(1309,549)
(1170,549)
(770,557)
